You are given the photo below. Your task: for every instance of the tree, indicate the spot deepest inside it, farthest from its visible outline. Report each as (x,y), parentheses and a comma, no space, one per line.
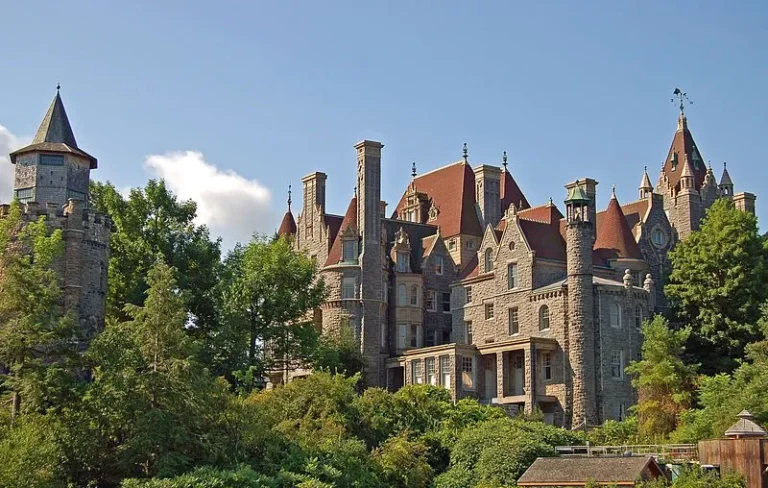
(151,221)
(404,463)
(339,354)
(718,281)
(268,300)
(37,338)
(664,382)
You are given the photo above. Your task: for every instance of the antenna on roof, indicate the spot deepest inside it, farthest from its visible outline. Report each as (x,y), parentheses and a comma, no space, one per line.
(466,153)
(682,97)
(504,160)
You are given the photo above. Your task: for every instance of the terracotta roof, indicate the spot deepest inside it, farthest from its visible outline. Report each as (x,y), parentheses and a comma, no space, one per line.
(288,225)
(55,134)
(541,226)
(683,145)
(634,212)
(511,193)
(614,236)
(452,190)
(576,471)
(546,213)
(334,224)
(350,220)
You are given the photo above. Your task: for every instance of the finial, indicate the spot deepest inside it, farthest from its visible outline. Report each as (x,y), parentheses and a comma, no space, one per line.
(466,153)
(551,202)
(289,197)
(645,169)
(58,87)
(613,192)
(682,97)
(355,191)
(724,165)
(413,170)
(504,160)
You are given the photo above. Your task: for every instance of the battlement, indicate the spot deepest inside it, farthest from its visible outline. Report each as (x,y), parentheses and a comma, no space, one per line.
(97,224)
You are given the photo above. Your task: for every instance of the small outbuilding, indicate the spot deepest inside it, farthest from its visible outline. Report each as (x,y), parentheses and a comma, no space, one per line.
(578,471)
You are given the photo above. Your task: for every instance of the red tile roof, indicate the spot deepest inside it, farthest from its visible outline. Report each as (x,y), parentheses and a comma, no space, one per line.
(634,212)
(334,224)
(614,236)
(452,190)
(541,226)
(288,225)
(684,145)
(511,193)
(350,220)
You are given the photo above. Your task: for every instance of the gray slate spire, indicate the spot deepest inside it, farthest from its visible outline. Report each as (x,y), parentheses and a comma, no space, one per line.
(55,126)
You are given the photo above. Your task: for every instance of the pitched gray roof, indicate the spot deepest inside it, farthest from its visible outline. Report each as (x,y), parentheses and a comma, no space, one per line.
(55,134)
(558,471)
(745,427)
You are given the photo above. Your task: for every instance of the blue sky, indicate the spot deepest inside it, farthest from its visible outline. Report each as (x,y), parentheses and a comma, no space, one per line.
(234,100)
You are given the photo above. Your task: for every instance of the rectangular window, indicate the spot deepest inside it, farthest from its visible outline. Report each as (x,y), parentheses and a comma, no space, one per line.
(468,373)
(637,278)
(617,365)
(446,337)
(452,244)
(488,311)
(514,321)
(615,310)
(349,251)
(431,373)
(417,370)
(438,265)
(51,160)
(76,195)
(446,303)
(415,336)
(429,339)
(621,412)
(546,364)
(25,195)
(347,288)
(414,295)
(469,294)
(402,333)
(512,275)
(431,301)
(445,371)
(402,262)
(468,332)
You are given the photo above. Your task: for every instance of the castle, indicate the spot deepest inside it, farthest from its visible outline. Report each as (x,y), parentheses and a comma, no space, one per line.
(51,180)
(468,286)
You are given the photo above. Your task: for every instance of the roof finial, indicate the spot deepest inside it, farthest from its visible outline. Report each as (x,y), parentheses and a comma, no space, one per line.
(551,202)
(355,191)
(613,192)
(466,153)
(289,197)
(504,160)
(645,169)
(413,170)
(682,97)
(724,165)
(58,87)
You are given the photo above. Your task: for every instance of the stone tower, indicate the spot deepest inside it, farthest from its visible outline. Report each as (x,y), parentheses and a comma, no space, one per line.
(687,207)
(369,215)
(52,175)
(580,239)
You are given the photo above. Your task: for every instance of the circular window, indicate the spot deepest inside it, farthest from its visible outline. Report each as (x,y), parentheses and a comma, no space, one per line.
(659,237)
(512,245)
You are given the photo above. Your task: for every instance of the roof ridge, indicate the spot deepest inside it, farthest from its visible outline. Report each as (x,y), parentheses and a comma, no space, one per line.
(441,167)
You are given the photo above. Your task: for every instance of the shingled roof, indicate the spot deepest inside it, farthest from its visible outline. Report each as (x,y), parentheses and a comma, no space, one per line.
(55,134)
(614,235)
(288,225)
(577,471)
(685,147)
(452,190)
(350,220)
(511,193)
(541,226)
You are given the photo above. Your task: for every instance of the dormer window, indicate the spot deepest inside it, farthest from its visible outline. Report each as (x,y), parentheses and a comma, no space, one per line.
(402,262)
(349,251)
(673,160)
(433,213)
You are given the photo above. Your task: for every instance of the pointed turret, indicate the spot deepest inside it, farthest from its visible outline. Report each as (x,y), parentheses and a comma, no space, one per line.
(614,236)
(347,231)
(288,225)
(646,188)
(726,184)
(683,147)
(687,178)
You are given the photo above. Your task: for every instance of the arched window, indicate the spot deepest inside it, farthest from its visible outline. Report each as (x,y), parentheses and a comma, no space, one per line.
(638,316)
(488,260)
(414,295)
(402,299)
(615,310)
(544,318)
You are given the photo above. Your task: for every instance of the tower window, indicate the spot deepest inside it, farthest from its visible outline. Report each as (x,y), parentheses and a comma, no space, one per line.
(402,262)
(348,289)
(76,195)
(349,251)
(544,318)
(25,195)
(401,295)
(51,160)
(414,295)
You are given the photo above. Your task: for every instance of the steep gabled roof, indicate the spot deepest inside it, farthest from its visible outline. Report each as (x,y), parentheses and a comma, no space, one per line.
(452,190)
(684,146)
(634,212)
(55,134)
(511,193)
(614,236)
(288,225)
(541,226)
(334,224)
(350,221)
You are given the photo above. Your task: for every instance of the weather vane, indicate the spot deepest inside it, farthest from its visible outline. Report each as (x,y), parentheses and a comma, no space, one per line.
(682,97)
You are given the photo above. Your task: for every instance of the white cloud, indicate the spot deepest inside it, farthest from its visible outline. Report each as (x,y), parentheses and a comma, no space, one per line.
(232,206)
(8,143)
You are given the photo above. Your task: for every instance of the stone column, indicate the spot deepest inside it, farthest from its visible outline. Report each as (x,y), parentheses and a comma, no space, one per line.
(530,378)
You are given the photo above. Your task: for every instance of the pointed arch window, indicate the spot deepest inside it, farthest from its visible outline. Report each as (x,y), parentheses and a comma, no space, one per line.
(544,318)
(488,262)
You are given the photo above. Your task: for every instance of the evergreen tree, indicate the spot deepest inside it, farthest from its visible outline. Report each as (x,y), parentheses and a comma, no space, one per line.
(718,281)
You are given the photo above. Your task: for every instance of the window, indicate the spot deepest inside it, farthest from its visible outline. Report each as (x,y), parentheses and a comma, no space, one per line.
(469,294)
(544,318)
(468,373)
(546,364)
(621,412)
(438,265)
(402,299)
(402,332)
(76,195)
(25,195)
(417,371)
(415,342)
(51,160)
(445,372)
(470,245)
(414,295)
(452,244)
(659,238)
(402,262)
(347,288)
(431,301)
(615,315)
(446,303)
(430,339)
(638,316)
(637,278)
(488,311)
(514,322)
(488,267)
(349,250)
(512,275)
(468,332)
(617,365)
(431,373)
